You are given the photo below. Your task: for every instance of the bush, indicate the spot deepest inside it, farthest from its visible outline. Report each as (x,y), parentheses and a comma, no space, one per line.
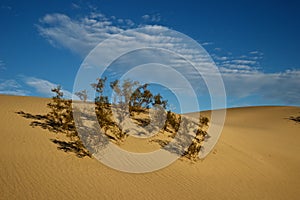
(201,135)
(61,120)
(129,95)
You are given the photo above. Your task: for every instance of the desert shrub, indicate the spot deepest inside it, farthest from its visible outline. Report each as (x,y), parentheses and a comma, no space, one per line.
(60,114)
(136,98)
(140,98)
(197,142)
(104,112)
(129,95)
(61,120)
(172,121)
(158,100)
(182,130)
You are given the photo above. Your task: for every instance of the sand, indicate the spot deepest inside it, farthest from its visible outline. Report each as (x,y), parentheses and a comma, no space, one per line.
(257,157)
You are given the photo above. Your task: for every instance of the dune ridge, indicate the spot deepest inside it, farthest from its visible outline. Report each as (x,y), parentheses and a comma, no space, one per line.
(257,157)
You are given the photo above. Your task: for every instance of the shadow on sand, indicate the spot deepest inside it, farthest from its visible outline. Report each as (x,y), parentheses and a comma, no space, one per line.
(45,122)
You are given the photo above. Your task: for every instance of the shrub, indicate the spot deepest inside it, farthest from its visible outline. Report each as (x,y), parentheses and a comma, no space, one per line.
(197,142)
(61,120)
(127,95)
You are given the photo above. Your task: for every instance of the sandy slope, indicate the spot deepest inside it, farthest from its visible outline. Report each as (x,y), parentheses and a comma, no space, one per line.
(257,157)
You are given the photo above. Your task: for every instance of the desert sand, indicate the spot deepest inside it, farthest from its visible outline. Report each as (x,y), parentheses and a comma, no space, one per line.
(256,157)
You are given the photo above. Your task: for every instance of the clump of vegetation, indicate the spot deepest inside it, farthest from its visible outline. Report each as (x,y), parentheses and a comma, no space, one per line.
(104,112)
(179,128)
(296,119)
(201,135)
(61,120)
(130,98)
(172,121)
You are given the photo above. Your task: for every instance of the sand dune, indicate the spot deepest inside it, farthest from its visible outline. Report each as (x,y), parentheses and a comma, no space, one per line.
(257,157)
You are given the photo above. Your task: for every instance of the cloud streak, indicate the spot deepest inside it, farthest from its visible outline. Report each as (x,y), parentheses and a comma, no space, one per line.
(80,35)
(152,17)
(19,86)
(44,86)
(242,75)
(12,87)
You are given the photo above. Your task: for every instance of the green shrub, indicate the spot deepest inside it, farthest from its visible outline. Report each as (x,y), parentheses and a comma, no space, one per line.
(129,95)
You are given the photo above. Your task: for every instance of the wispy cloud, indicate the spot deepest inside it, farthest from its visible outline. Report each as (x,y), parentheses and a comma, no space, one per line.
(75,6)
(207,43)
(24,86)
(152,17)
(256,53)
(281,87)
(12,87)
(237,64)
(243,76)
(44,86)
(83,34)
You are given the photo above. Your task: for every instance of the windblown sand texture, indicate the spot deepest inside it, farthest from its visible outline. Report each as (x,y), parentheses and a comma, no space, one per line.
(257,157)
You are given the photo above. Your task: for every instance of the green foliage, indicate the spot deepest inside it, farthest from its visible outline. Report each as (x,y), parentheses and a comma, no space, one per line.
(158,100)
(128,94)
(61,120)
(61,113)
(201,135)
(104,112)
(172,121)
(140,98)
(99,87)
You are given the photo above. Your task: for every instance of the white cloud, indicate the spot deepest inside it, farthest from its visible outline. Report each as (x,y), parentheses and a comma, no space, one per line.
(44,86)
(220,58)
(207,43)
(152,17)
(83,34)
(241,74)
(281,87)
(129,22)
(146,17)
(243,78)
(12,87)
(237,64)
(256,53)
(19,86)
(9,84)
(246,62)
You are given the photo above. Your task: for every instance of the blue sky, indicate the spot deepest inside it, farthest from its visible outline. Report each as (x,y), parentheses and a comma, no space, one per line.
(255,44)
